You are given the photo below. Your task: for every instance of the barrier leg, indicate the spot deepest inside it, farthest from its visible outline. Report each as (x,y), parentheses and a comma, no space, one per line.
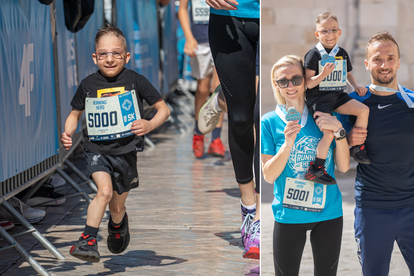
(73,184)
(35,233)
(88,181)
(16,246)
(149,142)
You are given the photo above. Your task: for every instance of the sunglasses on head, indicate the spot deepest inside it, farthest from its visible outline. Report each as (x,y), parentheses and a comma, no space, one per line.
(283,83)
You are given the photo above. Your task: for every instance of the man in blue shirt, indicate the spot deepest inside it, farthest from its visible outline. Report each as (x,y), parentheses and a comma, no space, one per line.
(384,190)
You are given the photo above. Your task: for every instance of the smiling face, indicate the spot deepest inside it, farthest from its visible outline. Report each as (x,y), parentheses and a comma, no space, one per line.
(110,67)
(292,93)
(383,62)
(331,28)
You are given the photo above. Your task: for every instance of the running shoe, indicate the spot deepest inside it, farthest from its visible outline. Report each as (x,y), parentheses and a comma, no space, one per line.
(32,215)
(319,176)
(252,242)
(118,237)
(46,195)
(209,116)
(360,154)
(56,180)
(6,225)
(198,145)
(247,218)
(216,148)
(86,249)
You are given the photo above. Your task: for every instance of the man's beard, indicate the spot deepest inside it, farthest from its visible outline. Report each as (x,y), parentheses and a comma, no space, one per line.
(385,81)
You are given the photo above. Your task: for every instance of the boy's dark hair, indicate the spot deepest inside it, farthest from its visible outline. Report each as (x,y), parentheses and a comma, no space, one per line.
(383,36)
(108,29)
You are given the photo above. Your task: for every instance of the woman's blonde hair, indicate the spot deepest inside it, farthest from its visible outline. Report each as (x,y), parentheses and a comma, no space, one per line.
(286,60)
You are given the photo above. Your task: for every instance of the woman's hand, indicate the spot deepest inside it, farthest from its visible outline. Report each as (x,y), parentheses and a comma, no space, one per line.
(291,131)
(222,4)
(327,121)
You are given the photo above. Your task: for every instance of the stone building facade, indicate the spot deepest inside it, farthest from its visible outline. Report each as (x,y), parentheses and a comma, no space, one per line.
(288,26)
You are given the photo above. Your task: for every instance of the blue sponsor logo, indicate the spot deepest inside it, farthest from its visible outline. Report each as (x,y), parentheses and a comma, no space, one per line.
(317,194)
(127,110)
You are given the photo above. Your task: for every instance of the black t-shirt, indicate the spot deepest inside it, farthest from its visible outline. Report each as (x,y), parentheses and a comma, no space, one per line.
(312,59)
(128,79)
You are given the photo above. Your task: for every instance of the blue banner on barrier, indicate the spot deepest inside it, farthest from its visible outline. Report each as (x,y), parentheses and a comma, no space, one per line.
(138,21)
(85,41)
(170,62)
(27,92)
(68,71)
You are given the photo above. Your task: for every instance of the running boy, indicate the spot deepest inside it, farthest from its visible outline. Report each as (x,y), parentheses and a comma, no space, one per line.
(327,68)
(113,137)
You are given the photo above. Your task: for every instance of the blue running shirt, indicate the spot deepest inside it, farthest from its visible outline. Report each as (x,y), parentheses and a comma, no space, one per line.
(388,182)
(304,151)
(245,9)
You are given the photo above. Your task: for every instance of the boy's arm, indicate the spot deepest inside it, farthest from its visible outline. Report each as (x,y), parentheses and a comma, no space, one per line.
(71,125)
(361,91)
(190,41)
(142,126)
(312,80)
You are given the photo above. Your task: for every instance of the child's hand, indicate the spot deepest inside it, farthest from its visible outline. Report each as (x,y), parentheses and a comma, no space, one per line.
(66,140)
(141,127)
(328,68)
(291,130)
(361,91)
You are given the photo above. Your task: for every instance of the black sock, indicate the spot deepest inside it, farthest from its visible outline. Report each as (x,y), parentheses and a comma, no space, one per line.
(318,163)
(117,225)
(91,231)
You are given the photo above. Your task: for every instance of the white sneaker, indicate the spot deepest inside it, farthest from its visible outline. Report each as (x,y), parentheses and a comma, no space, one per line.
(209,116)
(30,214)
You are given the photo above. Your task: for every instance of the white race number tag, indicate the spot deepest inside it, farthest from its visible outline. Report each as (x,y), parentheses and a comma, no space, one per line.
(110,118)
(336,81)
(304,195)
(200,11)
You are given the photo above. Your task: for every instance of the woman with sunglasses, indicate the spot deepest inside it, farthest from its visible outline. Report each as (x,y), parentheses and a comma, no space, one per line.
(289,138)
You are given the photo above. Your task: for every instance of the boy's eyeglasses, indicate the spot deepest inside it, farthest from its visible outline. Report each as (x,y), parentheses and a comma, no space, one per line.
(296,81)
(115,54)
(325,32)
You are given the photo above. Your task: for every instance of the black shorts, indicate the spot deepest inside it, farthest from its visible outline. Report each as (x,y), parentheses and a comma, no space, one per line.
(326,102)
(122,169)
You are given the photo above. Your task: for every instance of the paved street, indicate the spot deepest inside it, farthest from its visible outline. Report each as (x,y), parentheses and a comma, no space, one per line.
(184,220)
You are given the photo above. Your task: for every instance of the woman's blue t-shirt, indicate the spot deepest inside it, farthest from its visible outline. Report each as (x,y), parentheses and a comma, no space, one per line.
(245,9)
(303,151)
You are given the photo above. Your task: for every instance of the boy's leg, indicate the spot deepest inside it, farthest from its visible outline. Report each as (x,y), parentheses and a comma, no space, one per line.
(118,225)
(316,171)
(86,248)
(361,111)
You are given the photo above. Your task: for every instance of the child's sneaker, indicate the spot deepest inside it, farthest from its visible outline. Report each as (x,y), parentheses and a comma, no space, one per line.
(252,242)
(247,218)
(216,148)
(85,249)
(198,145)
(118,238)
(360,154)
(319,175)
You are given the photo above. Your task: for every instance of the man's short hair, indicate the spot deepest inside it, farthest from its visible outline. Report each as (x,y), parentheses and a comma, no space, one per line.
(325,16)
(383,36)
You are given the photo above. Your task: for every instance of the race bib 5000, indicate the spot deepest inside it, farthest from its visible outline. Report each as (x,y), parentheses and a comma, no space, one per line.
(110,118)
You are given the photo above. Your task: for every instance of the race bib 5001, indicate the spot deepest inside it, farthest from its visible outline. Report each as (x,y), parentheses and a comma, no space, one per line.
(110,118)
(304,195)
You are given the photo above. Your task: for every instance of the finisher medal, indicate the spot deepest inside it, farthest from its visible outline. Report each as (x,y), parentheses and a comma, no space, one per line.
(292,115)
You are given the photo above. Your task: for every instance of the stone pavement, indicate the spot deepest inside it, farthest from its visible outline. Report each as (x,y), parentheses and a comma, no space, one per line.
(184,220)
(348,262)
